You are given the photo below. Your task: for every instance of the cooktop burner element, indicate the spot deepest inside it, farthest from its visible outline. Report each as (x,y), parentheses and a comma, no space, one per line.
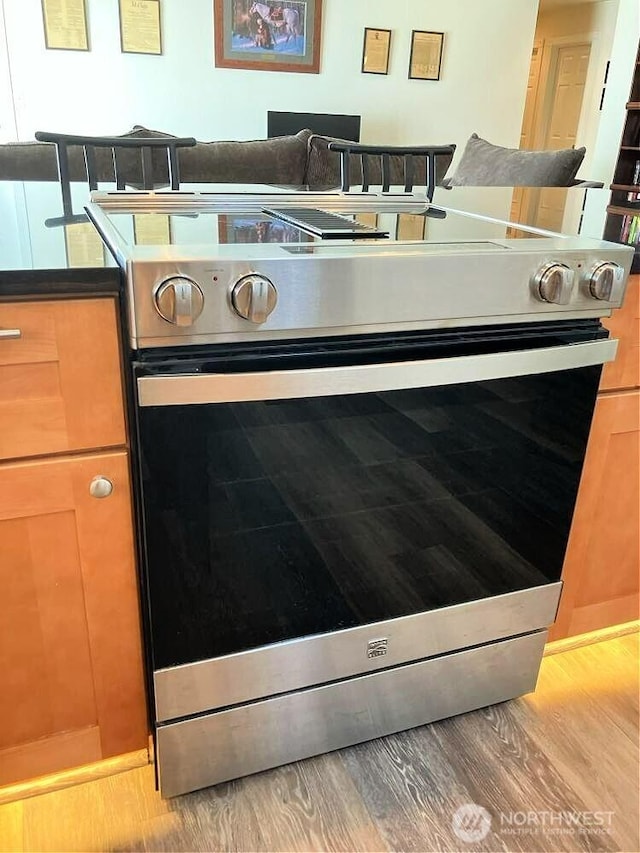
(219,267)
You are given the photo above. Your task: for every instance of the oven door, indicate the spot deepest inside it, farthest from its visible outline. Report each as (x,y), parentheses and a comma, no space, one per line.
(317,510)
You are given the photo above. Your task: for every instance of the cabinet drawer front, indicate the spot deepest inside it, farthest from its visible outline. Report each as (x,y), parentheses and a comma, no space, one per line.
(60,380)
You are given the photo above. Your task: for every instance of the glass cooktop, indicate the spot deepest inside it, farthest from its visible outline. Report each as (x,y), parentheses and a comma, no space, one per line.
(206,219)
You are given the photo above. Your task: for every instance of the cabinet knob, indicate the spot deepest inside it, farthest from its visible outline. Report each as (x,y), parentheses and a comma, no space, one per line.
(100,487)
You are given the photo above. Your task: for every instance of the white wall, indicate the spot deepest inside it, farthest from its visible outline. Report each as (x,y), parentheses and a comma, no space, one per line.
(607,142)
(7,118)
(484,74)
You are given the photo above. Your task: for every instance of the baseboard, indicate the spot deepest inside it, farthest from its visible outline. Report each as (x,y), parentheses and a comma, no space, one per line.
(579,640)
(75,776)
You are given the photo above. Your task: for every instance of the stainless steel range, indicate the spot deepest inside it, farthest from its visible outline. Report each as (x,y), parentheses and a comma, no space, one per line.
(358,460)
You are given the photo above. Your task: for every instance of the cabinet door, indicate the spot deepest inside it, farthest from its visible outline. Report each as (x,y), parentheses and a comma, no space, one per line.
(70,656)
(60,381)
(624,325)
(602,568)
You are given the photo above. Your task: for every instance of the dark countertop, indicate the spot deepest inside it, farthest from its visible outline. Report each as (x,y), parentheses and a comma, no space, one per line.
(41,256)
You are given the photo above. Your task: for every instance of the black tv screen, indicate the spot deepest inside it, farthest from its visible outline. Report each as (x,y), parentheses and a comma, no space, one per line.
(326,124)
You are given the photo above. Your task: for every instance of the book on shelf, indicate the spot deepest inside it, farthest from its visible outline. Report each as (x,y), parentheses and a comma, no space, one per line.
(630,232)
(634,196)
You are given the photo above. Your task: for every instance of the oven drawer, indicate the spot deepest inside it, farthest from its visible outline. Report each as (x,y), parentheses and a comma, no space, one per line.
(251,738)
(60,377)
(201,686)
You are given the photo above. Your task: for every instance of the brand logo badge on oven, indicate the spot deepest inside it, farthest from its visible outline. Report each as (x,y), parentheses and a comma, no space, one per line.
(377,648)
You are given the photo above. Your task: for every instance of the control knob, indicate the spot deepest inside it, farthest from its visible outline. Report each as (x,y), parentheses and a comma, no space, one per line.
(554,283)
(605,281)
(254,297)
(179,301)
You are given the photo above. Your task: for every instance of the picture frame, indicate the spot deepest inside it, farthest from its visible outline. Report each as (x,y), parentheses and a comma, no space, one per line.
(152,229)
(273,35)
(82,249)
(425,59)
(65,25)
(411,226)
(140,26)
(376,49)
(368,219)
(257,228)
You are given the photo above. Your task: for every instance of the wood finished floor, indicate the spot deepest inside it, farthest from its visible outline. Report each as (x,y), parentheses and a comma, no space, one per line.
(571,746)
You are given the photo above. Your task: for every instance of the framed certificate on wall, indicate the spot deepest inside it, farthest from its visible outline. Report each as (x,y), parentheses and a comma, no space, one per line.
(65,24)
(426,55)
(140,26)
(375,51)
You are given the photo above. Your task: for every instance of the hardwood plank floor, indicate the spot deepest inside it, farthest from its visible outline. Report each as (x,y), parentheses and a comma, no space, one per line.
(570,747)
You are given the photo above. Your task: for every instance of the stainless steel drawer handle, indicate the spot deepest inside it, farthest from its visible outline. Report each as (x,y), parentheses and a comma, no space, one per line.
(100,487)
(10,334)
(193,389)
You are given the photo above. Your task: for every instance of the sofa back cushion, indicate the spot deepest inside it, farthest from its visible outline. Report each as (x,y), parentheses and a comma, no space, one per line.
(323,166)
(484,165)
(281,160)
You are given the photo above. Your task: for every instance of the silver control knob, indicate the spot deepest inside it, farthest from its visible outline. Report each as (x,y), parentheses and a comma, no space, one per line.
(100,487)
(606,281)
(554,283)
(254,297)
(179,301)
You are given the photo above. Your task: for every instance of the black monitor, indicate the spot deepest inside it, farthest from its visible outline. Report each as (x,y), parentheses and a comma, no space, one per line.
(326,124)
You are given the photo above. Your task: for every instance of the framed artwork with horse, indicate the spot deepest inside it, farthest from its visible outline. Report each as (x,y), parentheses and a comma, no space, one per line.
(273,35)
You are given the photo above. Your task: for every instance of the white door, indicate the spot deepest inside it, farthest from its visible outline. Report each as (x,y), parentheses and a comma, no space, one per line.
(519,202)
(568,77)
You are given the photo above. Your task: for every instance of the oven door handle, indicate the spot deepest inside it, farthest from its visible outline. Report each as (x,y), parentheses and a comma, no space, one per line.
(202,388)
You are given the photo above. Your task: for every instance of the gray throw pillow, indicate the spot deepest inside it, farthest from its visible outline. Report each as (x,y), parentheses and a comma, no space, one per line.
(486,165)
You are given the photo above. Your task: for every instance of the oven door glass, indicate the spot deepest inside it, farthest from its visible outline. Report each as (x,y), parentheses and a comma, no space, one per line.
(272,519)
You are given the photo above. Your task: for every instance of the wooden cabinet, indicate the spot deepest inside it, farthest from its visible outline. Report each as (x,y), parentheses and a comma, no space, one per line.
(602,567)
(624,325)
(60,387)
(71,675)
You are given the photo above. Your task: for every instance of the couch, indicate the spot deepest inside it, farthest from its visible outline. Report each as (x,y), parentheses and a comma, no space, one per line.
(303,159)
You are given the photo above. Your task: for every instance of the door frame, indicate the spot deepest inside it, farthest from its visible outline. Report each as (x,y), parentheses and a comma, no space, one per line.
(548,73)
(542,111)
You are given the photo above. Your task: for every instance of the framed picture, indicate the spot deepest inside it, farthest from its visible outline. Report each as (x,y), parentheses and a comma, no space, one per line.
(368,219)
(140,28)
(275,35)
(151,229)
(375,51)
(82,247)
(258,229)
(65,24)
(411,226)
(426,55)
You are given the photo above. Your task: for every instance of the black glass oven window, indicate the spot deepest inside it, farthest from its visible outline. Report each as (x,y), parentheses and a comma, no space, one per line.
(268,521)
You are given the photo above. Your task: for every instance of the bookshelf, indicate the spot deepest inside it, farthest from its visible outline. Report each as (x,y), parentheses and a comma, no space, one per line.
(623,212)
